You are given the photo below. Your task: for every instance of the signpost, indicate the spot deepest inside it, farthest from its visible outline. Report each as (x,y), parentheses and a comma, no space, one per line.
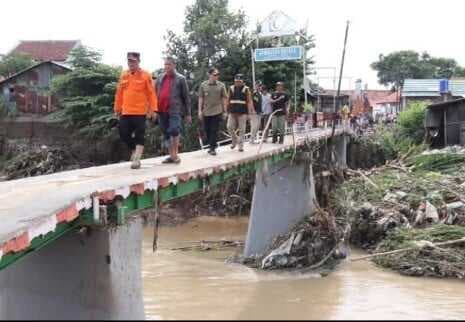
(276,25)
(280,53)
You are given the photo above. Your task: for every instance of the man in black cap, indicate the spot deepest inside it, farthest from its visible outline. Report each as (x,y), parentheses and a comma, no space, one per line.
(135,100)
(280,102)
(240,106)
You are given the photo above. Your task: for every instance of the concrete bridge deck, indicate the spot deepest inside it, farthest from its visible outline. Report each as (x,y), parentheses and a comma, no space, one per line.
(36,211)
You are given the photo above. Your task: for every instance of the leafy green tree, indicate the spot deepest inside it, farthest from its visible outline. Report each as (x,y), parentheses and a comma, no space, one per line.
(394,68)
(85,57)
(213,36)
(87,94)
(11,64)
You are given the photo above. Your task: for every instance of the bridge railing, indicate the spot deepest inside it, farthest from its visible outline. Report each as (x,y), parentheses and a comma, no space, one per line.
(301,124)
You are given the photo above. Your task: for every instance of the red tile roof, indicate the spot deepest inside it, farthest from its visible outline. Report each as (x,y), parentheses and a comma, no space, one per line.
(392,98)
(48,50)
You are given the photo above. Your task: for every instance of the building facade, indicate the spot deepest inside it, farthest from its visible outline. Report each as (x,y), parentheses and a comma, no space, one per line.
(30,89)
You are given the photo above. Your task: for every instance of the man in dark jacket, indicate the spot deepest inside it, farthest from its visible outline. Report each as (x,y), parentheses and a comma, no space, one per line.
(256,119)
(173,103)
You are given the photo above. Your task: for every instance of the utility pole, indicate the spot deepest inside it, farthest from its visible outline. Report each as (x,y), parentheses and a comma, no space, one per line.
(295,92)
(340,78)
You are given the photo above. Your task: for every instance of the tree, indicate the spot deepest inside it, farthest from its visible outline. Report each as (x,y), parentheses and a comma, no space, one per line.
(85,57)
(272,72)
(14,63)
(87,93)
(213,36)
(394,68)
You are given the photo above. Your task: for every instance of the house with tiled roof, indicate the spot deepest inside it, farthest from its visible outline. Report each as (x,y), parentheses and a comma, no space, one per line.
(29,90)
(47,50)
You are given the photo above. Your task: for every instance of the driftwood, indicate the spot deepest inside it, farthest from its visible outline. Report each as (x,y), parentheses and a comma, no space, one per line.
(361,174)
(206,245)
(418,245)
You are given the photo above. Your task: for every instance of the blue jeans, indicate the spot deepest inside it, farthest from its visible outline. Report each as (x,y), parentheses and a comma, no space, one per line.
(170,125)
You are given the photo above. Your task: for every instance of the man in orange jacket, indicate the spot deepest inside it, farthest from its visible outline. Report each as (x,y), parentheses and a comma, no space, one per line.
(135,101)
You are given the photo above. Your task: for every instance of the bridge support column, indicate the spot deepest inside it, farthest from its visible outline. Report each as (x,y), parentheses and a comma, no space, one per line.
(96,276)
(283,196)
(341,151)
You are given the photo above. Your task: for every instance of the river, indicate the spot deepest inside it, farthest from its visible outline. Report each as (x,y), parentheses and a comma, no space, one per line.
(197,286)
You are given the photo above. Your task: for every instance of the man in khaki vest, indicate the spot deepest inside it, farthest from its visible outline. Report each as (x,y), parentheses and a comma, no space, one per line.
(240,106)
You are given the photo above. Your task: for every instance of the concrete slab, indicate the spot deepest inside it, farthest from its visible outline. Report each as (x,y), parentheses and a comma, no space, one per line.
(28,207)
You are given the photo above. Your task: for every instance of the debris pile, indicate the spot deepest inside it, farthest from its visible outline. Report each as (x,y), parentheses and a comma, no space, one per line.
(318,241)
(41,162)
(427,260)
(420,199)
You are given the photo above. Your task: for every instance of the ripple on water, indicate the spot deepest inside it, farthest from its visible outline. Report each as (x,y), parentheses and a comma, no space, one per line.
(189,285)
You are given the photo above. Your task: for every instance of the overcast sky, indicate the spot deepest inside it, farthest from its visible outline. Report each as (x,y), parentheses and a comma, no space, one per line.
(117,26)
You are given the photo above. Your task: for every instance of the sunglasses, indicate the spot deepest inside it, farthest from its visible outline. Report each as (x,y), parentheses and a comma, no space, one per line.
(216,74)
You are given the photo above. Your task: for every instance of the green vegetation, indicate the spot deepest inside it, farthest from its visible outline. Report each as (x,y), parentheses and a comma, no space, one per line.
(411,122)
(394,68)
(407,136)
(416,197)
(87,94)
(443,162)
(3,107)
(12,64)
(214,35)
(445,262)
(405,238)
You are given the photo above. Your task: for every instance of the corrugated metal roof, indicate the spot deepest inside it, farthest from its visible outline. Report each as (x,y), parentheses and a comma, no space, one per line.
(430,87)
(421,85)
(421,94)
(446,103)
(457,87)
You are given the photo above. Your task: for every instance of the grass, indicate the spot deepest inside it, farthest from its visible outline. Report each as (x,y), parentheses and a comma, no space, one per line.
(444,162)
(405,238)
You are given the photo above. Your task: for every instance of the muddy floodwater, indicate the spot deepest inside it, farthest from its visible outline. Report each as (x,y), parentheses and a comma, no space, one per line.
(193,285)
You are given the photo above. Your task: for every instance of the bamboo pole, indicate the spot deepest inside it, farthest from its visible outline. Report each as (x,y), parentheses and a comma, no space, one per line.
(419,245)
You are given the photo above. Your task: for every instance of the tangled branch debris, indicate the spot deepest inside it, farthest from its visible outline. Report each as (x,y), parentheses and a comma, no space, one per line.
(414,221)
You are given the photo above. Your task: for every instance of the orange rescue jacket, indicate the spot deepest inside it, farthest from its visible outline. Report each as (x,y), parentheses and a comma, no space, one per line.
(135,94)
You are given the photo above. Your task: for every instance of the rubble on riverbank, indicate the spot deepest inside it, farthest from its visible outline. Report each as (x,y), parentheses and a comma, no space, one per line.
(421,199)
(39,162)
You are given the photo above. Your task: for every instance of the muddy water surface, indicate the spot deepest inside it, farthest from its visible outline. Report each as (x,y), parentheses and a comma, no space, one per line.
(193,285)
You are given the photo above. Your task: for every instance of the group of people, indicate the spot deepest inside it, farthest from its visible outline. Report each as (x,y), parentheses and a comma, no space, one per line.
(238,104)
(138,98)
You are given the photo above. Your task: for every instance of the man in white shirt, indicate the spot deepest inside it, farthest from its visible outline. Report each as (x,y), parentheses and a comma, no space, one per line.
(266,109)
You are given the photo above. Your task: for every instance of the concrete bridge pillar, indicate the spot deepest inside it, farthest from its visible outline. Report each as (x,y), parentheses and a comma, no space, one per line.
(96,277)
(284,194)
(341,151)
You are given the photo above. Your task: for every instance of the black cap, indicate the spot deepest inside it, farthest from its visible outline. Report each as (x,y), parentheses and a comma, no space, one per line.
(239,77)
(134,55)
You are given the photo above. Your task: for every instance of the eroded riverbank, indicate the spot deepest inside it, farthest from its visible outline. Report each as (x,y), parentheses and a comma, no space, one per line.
(194,285)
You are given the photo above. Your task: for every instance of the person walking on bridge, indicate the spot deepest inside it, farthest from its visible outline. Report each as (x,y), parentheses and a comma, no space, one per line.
(255,119)
(239,106)
(135,100)
(267,111)
(280,101)
(174,103)
(213,100)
